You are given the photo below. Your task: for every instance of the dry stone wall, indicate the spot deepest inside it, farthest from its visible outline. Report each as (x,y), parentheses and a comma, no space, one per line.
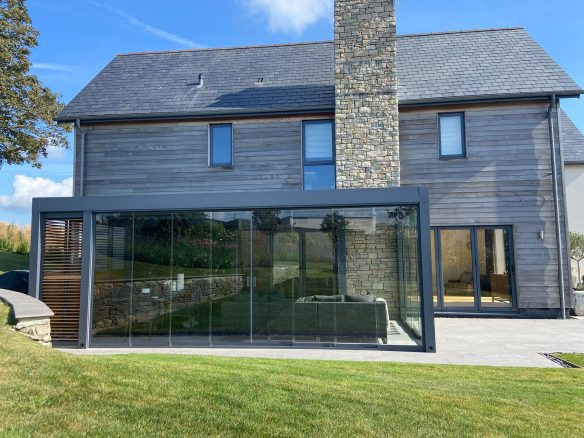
(366,103)
(371,265)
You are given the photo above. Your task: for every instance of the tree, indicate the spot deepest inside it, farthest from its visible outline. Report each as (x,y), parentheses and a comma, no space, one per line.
(577,250)
(27,107)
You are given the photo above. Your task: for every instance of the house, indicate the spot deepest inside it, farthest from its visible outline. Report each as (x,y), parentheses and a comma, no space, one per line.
(326,193)
(573,149)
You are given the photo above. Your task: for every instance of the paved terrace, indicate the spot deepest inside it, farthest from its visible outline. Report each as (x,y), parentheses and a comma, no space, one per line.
(492,342)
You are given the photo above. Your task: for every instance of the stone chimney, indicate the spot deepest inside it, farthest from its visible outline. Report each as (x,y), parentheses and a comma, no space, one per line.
(366,105)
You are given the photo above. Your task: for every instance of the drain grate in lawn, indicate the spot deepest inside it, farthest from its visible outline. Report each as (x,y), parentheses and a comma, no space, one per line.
(566,360)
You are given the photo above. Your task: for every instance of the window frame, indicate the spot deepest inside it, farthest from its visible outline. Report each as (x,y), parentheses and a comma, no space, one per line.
(439,307)
(211,162)
(314,163)
(462,116)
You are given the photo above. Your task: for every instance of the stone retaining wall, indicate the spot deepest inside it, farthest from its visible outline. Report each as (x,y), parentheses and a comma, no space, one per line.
(152,298)
(30,316)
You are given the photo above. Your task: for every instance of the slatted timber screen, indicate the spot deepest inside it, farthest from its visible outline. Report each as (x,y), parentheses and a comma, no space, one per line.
(61,275)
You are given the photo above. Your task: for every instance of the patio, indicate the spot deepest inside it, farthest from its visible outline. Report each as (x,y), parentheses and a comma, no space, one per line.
(460,341)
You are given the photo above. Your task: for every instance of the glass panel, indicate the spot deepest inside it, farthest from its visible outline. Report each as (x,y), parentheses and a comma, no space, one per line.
(319,177)
(221,141)
(494,267)
(451,135)
(405,219)
(192,279)
(231,306)
(330,276)
(318,141)
(276,272)
(457,271)
(153,283)
(434,270)
(312,315)
(111,309)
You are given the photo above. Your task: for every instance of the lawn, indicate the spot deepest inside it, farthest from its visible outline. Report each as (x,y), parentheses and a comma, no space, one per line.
(10,261)
(576,359)
(44,392)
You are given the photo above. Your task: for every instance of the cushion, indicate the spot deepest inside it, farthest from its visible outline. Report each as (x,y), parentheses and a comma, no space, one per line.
(360,298)
(329,298)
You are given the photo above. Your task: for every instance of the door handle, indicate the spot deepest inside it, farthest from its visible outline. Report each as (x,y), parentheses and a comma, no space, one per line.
(254,282)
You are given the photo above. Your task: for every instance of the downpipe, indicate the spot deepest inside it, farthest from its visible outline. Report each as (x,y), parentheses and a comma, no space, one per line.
(559,246)
(81,158)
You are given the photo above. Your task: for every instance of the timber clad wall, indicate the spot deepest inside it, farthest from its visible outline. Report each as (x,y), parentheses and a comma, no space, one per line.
(173,158)
(504,181)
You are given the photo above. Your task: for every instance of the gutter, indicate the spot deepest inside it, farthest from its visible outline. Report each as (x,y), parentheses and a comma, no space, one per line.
(241,113)
(81,158)
(559,246)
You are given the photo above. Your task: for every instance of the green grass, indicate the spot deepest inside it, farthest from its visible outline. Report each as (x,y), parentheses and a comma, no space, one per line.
(576,359)
(10,261)
(47,393)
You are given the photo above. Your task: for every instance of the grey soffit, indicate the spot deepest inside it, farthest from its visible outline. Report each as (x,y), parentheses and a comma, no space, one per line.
(438,67)
(572,140)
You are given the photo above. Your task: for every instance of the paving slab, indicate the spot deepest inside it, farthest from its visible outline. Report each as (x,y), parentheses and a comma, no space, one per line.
(460,341)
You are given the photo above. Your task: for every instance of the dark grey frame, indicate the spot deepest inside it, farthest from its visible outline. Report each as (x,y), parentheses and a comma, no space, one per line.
(87,207)
(306,163)
(211,163)
(462,116)
(439,307)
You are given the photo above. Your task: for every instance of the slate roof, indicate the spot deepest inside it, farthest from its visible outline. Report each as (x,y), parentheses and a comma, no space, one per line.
(572,141)
(441,67)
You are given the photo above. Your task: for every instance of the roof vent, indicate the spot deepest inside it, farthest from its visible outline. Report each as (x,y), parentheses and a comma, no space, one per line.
(198,83)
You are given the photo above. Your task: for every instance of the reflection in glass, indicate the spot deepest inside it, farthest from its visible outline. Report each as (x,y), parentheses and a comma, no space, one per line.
(319,177)
(329,276)
(152,285)
(230,282)
(457,271)
(111,319)
(494,263)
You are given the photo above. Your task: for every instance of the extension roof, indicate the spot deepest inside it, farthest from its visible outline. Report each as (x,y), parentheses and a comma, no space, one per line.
(436,67)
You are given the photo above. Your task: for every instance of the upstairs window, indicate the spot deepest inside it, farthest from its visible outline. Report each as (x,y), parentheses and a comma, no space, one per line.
(452,135)
(318,150)
(221,145)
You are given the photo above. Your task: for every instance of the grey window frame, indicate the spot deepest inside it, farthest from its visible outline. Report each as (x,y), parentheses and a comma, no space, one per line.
(462,116)
(309,163)
(88,207)
(439,307)
(211,162)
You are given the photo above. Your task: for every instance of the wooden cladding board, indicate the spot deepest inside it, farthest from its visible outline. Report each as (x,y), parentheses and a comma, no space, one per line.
(61,275)
(504,180)
(174,158)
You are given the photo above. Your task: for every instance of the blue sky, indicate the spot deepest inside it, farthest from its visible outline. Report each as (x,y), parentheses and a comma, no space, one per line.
(79,37)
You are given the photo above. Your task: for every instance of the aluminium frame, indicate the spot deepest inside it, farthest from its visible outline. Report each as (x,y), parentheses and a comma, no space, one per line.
(87,207)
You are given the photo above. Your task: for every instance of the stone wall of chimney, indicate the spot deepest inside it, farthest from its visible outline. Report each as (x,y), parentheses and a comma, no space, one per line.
(367,125)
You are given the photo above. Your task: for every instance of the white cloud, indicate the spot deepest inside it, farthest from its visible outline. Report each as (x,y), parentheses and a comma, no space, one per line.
(291,15)
(51,66)
(147,27)
(25,188)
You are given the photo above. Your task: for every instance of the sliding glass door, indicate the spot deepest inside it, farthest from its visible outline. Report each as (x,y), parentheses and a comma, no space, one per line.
(473,269)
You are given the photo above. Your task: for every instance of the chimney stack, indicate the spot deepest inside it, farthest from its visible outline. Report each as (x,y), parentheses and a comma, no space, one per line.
(366,103)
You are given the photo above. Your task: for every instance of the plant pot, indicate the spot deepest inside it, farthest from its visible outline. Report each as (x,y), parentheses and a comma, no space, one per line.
(579,302)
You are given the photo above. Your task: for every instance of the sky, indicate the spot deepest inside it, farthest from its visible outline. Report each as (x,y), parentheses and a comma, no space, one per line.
(79,37)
